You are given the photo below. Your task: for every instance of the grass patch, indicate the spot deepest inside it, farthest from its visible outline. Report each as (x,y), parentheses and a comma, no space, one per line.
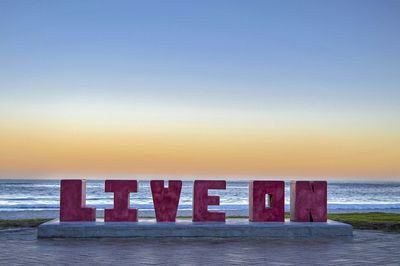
(389,222)
(21,223)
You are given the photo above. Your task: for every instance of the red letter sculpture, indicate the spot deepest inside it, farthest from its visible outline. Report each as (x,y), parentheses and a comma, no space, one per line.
(308,201)
(166,200)
(72,202)
(121,211)
(275,212)
(201,200)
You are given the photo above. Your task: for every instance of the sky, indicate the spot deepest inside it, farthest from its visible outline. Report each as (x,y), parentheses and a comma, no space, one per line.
(185,89)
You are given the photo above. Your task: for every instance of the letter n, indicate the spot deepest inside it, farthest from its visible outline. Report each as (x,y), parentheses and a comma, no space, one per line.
(308,201)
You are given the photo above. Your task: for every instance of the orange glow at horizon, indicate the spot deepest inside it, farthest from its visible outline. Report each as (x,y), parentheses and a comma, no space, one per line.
(49,151)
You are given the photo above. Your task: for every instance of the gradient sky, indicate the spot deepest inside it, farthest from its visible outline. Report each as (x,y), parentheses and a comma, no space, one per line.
(233,89)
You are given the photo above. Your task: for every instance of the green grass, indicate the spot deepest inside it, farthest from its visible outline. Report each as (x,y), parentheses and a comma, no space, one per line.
(371,220)
(22,223)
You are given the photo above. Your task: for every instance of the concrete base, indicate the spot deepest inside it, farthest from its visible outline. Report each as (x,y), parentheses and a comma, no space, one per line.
(186,228)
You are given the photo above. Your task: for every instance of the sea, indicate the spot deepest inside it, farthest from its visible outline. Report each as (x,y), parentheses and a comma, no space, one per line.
(32,196)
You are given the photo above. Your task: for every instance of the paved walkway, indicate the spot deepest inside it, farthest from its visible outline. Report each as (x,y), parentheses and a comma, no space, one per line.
(20,247)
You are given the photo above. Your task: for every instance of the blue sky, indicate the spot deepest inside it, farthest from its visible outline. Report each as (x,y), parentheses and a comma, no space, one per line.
(245,63)
(334,51)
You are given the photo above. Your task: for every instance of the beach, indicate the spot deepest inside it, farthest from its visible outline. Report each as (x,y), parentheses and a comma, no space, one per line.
(33,199)
(276,121)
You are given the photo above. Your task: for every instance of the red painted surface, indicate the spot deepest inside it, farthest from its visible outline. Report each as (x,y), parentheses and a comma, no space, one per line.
(121,211)
(257,207)
(166,200)
(72,202)
(308,201)
(201,200)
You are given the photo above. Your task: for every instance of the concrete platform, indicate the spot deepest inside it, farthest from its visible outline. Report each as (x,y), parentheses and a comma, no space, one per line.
(186,228)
